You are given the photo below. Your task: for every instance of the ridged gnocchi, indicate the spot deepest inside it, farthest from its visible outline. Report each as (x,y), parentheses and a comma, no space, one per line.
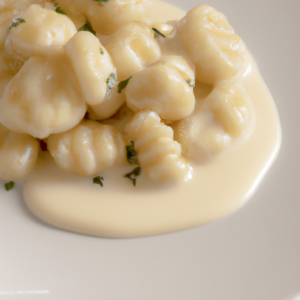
(87,149)
(217,52)
(159,155)
(42,28)
(18,154)
(226,113)
(200,136)
(92,65)
(43,98)
(132,48)
(165,88)
(106,18)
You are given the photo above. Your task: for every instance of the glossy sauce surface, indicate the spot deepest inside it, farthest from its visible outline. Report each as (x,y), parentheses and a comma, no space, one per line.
(218,187)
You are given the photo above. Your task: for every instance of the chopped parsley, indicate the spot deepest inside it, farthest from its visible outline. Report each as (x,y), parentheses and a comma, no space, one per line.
(191,82)
(60,11)
(132,175)
(101,51)
(101,1)
(98,180)
(132,155)
(111,81)
(157,32)
(122,85)
(87,27)
(16,22)
(9,186)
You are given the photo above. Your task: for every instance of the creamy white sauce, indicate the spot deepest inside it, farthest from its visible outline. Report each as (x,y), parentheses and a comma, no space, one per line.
(119,210)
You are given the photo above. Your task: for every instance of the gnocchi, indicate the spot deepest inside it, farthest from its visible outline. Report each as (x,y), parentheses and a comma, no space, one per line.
(59,79)
(40,29)
(92,65)
(18,154)
(217,52)
(87,149)
(106,18)
(165,88)
(132,48)
(159,155)
(43,98)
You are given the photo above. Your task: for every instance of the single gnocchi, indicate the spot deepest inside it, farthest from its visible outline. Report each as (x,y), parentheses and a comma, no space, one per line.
(106,18)
(165,88)
(37,30)
(159,155)
(132,48)
(232,108)
(217,52)
(87,149)
(18,154)
(200,136)
(109,106)
(93,67)
(43,98)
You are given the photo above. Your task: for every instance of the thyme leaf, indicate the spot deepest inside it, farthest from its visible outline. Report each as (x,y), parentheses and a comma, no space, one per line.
(132,155)
(157,32)
(9,186)
(98,180)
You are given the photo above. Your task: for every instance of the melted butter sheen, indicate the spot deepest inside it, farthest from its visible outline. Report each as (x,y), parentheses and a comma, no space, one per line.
(120,210)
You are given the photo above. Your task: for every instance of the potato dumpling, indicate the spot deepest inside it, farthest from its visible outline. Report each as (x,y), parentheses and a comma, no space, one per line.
(200,135)
(165,88)
(106,18)
(43,98)
(40,29)
(87,149)
(132,48)
(232,108)
(18,154)
(159,155)
(9,10)
(92,65)
(109,106)
(216,51)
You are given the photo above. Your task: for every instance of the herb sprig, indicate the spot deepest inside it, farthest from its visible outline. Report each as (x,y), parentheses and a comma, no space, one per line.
(9,186)
(87,27)
(133,174)
(101,1)
(60,11)
(132,155)
(16,22)
(122,85)
(191,82)
(158,32)
(111,81)
(98,180)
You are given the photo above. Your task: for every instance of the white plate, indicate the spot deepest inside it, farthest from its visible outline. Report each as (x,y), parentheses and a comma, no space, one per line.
(253,254)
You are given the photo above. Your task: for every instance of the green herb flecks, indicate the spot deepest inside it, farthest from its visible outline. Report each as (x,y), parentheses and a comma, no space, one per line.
(60,11)
(101,1)
(101,51)
(111,81)
(9,186)
(55,3)
(87,27)
(132,155)
(157,32)
(191,82)
(16,22)
(132,175)
(122,85)
(98,180)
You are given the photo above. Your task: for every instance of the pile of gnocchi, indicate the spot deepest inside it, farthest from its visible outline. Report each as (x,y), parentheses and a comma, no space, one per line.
(91,79)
